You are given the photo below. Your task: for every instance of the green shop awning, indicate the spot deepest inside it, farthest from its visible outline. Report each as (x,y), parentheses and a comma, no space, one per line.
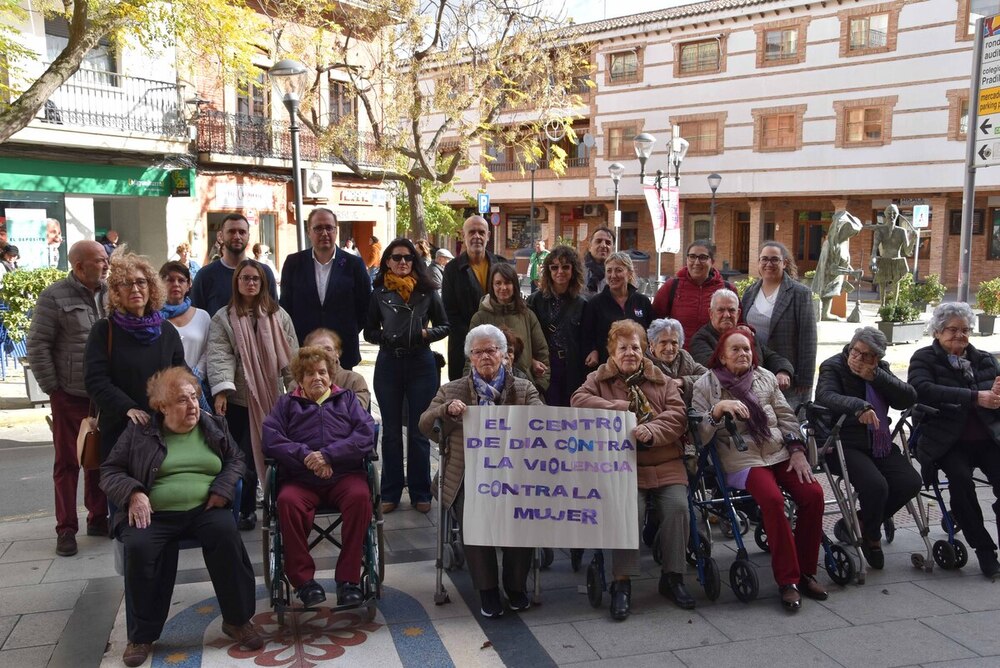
(88,179)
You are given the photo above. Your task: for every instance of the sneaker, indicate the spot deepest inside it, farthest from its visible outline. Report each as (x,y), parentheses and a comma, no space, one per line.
(492,606)
(349,593)
(518,601)
(248,521)
(246,636)
(311,594)
(66,545)
(136,654)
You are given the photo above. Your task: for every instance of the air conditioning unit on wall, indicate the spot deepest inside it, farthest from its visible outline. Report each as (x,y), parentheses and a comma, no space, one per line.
(593,211)
(541,213)
(317,184)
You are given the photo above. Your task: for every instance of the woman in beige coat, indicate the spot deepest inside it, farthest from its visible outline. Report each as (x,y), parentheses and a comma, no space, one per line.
(629,382)
(488,384)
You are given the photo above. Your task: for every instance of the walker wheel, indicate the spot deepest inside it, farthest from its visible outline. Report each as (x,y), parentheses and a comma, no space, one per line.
(713,579)
(961,554)
(594,589)
(760,537)
(743,580)
(839,565)
(944,555)
(742,519)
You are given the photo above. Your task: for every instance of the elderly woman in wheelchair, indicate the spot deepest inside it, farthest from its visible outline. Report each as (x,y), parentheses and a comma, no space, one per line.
(172,478)
(774,459)
(320,436)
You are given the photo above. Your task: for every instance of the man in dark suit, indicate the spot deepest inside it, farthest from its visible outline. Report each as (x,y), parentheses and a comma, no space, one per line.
(463,287)
(326,287)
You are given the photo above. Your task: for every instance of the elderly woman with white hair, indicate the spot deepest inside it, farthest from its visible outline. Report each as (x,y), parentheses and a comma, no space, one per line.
(489,383)
(666,351)
(858,384)
(964,383)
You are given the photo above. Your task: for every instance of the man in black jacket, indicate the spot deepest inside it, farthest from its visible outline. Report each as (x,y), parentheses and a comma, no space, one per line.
(326,287)
(463,287)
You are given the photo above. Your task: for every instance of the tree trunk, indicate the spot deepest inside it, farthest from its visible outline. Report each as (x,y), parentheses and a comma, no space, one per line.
(414,193)
(23,109)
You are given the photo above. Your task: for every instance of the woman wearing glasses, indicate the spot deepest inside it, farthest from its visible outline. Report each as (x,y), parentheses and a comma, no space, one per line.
(125,349)
(686,297)
(405,316)
(780,309)
(858,383)
(962,382)
(250,345)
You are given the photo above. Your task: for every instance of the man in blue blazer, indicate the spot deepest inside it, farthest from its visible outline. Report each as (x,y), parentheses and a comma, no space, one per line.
(326,287)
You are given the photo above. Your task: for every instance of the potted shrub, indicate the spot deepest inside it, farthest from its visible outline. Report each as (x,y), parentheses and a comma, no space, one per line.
(988,299)
(928,292)
(19,291)
(899,316)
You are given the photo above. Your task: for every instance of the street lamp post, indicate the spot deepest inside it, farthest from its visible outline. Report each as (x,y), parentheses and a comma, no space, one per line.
(616,170)
(713,182)
(531,214)
(677,148)
(291,76)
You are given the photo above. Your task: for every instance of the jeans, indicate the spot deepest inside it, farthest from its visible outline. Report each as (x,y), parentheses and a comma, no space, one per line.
(409,381)
(238,420)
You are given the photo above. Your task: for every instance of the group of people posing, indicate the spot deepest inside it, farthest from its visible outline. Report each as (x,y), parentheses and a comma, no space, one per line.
(195,383)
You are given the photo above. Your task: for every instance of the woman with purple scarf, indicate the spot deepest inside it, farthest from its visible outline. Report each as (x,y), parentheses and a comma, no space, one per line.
(191,323)
(858,383)
(774,459)
(125,349)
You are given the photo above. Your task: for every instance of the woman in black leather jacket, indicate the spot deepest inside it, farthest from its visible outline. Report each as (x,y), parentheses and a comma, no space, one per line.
(404,306)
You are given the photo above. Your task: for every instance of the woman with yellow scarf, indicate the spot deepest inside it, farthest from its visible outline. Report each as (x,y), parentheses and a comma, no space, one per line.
(404,317)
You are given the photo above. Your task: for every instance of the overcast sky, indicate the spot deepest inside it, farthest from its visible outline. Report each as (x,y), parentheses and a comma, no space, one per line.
(585,11)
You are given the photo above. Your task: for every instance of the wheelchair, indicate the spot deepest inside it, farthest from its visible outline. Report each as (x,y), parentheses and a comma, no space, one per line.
(325,524)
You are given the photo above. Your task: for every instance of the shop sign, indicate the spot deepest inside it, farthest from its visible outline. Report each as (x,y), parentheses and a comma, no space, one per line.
(180,183)
(356,197)
(87,179)
(244,196)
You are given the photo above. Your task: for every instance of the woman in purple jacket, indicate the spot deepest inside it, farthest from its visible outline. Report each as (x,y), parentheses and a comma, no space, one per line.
(320,434)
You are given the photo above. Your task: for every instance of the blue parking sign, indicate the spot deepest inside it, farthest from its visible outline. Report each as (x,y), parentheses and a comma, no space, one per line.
(484,203)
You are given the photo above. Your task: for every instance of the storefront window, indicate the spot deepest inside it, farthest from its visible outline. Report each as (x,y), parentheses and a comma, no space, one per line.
(35,222)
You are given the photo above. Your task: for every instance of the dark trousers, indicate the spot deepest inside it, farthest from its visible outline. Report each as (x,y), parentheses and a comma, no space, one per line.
(558,393)
(238,419)
(151,568)
(792,556)
(883,485)
(957,465)
(482,560)
(297,506)
(68,412)
(413,379)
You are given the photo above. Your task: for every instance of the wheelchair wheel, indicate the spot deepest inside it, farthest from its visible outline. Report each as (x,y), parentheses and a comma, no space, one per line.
(744,522)
(961,554)
(743,580)
(889,528)
(548,556)
(713,579)
(380,537)
(594,589)
(760,537)
(944,555)
(839,565)
(704,546)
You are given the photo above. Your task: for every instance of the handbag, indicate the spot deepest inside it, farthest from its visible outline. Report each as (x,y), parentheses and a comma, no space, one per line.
(88,439)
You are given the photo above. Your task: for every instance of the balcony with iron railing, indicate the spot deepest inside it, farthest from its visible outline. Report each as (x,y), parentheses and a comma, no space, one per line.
(261,137)
(510,170)
(94,98)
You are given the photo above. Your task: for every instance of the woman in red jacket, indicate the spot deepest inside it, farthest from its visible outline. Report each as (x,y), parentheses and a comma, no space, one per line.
(686,297)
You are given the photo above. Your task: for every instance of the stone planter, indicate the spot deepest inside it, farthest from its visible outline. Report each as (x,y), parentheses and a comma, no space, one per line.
(902,332)
(987,324)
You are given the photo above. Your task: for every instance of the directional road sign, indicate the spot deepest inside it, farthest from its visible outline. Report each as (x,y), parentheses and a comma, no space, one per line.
(987,128)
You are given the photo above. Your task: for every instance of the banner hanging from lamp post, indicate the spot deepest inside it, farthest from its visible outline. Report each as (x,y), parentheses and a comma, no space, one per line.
(667,209)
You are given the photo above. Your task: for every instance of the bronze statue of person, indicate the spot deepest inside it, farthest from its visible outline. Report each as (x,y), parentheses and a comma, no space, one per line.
(893,240)
(835,260)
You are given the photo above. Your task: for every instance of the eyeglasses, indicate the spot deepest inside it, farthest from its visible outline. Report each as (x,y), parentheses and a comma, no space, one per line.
(140,283)
(249,279)
(484,351)
(952,331)
(399,257)
(560,267)
(698,258)
(770,260)
(867,357)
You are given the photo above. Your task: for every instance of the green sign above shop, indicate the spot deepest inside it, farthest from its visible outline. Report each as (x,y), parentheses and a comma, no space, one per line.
(88,179)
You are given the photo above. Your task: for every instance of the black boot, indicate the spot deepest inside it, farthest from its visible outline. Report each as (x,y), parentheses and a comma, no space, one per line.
(621,599)
(988,563)
(672,586)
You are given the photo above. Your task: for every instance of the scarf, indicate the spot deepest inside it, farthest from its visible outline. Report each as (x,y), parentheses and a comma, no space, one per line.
(488,391)
(401,284)
(171,311)
(962,363)
(637,401)
(881,438)
(741,387)
(263,353)
(145,329)
(671,369)
(595,273)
